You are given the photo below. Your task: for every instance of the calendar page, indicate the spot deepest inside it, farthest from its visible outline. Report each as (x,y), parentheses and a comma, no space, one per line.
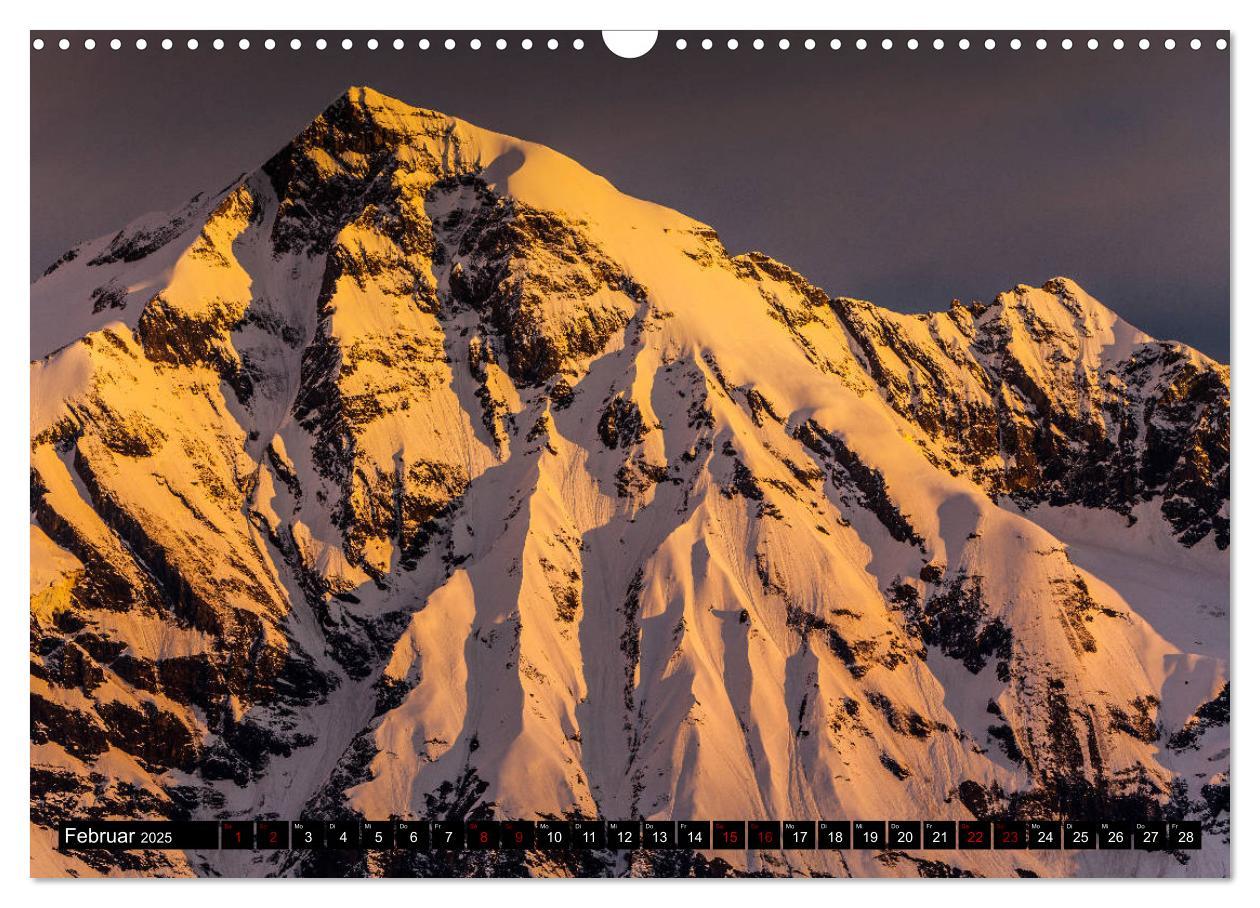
(531,454)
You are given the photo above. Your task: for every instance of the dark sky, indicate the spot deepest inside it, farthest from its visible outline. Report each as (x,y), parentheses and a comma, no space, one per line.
(907,178)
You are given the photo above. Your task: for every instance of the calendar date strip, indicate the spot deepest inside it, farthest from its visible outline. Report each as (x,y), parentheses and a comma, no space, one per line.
(629,835)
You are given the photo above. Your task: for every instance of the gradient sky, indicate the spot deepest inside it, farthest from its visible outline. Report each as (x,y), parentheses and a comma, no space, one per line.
(907,178)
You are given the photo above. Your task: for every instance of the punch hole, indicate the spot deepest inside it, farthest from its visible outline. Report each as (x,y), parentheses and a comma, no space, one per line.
(630,44)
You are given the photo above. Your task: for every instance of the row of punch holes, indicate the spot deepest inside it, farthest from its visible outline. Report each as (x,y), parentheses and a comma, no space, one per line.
(681,44)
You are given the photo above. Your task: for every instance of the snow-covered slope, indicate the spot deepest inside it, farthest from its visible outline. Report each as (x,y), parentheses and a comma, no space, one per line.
(422,473)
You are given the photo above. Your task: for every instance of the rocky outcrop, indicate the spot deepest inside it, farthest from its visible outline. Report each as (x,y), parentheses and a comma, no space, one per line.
(1044,396)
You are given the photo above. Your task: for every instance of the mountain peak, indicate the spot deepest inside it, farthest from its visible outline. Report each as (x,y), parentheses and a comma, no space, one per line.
(372,105)
(1063,285)
(367,96)
(1061,308)
(361,114)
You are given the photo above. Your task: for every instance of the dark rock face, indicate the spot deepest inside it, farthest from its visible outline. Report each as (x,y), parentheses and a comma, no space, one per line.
(956,620)
(546,291)
(1152,424)
(109,296)
(851,475)
(314,198)
(131,246)
(621,424)
(64,259)
(1211,714)
(80,734)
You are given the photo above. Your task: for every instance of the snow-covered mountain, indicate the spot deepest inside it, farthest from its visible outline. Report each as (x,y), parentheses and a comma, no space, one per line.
(422,473)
